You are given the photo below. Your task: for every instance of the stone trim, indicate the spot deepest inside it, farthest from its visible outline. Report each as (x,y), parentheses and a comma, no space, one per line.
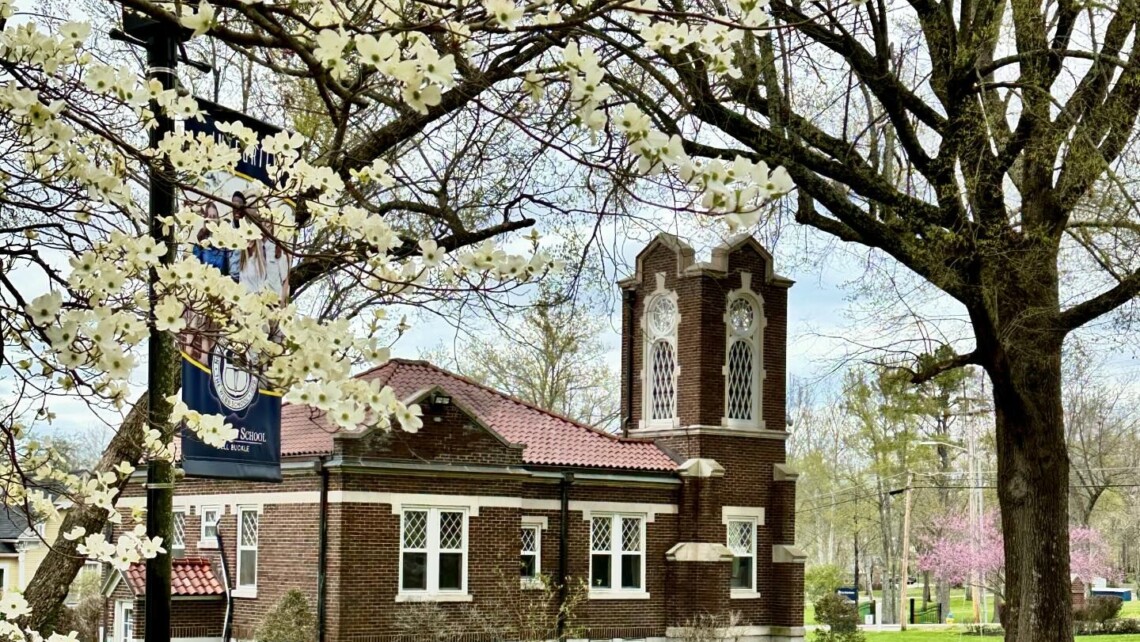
(720,431)
(788,554)
(784,472)
(701,467)
(471,502)
(742,512)
(699,552)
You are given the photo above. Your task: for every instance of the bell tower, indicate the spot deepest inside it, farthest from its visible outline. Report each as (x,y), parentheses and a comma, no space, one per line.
(704,376)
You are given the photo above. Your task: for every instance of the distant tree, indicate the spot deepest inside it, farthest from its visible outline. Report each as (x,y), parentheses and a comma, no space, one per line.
(553,357)
(1102,428)
(961,551)
(291,620)
(821,580)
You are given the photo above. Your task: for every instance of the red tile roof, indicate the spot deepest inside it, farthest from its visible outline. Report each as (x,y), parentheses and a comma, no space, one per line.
(189,576)
(549,439)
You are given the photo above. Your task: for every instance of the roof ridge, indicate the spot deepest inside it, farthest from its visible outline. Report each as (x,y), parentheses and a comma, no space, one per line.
(514,399)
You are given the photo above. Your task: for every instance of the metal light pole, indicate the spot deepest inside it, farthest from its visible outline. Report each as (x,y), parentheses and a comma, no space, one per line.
(161,44)
(161,58)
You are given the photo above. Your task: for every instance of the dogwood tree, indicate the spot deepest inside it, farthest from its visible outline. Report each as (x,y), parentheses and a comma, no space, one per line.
(410,96)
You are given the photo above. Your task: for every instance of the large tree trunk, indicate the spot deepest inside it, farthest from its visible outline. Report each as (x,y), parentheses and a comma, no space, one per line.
(49,586)
(1033,477)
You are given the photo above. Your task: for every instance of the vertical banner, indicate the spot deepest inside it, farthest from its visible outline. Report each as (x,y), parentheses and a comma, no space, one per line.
(214,379)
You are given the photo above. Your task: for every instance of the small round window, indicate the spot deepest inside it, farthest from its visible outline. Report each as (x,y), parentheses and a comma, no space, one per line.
(741,315)
(662,316)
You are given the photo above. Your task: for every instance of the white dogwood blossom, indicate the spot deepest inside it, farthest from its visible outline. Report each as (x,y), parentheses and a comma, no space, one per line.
(367,223)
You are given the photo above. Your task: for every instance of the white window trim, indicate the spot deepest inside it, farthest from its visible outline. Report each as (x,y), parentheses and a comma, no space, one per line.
(648,340)
(246,590)
(756,340)
(538,526)
(433,593)
(203,541)
(755,520)
(121,620)
(616,592)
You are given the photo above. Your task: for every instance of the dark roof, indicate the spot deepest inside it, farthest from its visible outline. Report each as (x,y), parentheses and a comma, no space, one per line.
(549,439)
(13,523)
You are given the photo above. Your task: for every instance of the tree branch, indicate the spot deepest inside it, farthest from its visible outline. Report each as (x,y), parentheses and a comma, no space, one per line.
(1103,303)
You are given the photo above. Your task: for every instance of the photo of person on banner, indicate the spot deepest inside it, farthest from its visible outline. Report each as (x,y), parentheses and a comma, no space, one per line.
(264,263)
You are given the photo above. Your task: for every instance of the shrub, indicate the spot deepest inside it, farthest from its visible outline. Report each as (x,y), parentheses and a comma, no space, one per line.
(822,580)
(841,617)
(289,621)
(1098,608)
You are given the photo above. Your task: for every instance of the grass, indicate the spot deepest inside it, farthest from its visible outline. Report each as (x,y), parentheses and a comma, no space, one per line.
(957,636)
(963,610)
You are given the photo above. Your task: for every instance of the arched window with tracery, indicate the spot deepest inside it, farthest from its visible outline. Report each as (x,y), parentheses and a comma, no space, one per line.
(660,370)
(743,370)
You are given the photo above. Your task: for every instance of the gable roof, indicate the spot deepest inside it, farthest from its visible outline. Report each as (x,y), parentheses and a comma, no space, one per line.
(549,439)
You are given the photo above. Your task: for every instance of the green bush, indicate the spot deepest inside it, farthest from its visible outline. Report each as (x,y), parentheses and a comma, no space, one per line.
(821,580)
(841,617)
(289,621)
(1098,608)
(1126,626)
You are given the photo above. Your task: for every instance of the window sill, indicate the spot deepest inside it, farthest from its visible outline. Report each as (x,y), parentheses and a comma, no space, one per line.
(434,597)
(744,594)
(245,593)
(531,584)
(207,543)
(611,594)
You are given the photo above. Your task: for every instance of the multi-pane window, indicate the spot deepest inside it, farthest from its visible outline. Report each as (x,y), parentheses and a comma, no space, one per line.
(529,563)
(661,358)
(247,547)
(742,543)
(433,545)
(210,517)
(178,545)
(617,552)
(127,622)
(742,367)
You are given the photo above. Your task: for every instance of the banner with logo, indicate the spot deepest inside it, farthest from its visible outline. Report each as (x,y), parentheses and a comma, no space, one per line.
(216,378)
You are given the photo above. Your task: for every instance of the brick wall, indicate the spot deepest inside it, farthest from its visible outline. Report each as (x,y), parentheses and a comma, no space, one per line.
(448,435)
(702,297)
(702,301)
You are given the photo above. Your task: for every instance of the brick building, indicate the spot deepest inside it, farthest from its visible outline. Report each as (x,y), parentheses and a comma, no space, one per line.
(691,512)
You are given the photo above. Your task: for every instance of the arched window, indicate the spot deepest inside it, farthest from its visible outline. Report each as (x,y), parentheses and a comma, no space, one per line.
(660,359)
(743,360)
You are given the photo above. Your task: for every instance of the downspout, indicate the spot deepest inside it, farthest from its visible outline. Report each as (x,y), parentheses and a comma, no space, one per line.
(563,549)
(627,300)
(228,622)
(322,551)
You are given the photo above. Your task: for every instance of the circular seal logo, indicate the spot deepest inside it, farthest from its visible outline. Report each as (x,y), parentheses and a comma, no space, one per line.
(235,387)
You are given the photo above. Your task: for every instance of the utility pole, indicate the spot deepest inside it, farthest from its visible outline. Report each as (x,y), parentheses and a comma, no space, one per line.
(905,552)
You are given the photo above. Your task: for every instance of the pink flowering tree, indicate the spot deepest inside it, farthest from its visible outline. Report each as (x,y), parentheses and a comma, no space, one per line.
(959,554)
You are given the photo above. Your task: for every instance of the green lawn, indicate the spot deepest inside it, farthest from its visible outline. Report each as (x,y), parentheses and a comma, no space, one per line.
(964,611)
(956,636)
